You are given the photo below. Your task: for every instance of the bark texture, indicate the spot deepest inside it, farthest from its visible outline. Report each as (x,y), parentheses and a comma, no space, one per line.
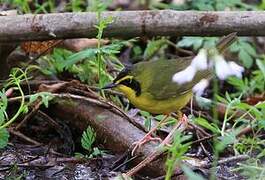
(131,24)
(117,133)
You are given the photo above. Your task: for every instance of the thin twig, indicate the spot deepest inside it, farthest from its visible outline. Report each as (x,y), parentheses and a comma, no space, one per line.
(24,137)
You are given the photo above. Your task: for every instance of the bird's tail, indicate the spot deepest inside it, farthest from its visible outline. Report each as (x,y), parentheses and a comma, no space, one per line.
(226,41)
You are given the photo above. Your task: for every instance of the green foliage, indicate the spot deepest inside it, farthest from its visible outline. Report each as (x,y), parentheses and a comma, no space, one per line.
(153,46)
(87,141)
(197,42)
(250,85)
(88,138)
(4,136)
(252,169)
(176,153)
(213,5)
(76,5)
(246,51)
(257,123)
(147,119)
(23,5)
(219,5)
(248,145)
(91,53)
(190,174)
(49,6)
(262,5)
(225,140)
(45,98)
(90,66)
(84,64)
(54,63)
(16,77)
(210,126)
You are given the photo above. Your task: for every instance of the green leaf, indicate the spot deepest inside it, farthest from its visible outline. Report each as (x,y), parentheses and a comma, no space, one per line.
(260,105)
(159,117)
(195,42)
(203,5)
(153,46)
(3,100)
(203,102)
(190,174)
(210,42)
(204,123)
(261,65)
(33,98)
(88,138)
(145,113)
(73,59)
(198,43)
(4,136)
(234,47)
(238,83)
(225,140)
(148,123)
(221,99)
(97,152)
(79,155)
(45,98)
(220,6)
(248,48)
(245,58)
(2,116)
(3,106)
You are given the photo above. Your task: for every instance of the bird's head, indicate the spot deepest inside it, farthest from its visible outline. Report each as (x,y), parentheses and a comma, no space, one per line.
(126,82)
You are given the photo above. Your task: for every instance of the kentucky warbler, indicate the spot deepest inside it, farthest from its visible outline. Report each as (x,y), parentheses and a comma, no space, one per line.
(149,86)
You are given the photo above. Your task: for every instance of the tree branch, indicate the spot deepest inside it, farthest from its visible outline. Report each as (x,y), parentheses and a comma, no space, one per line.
(131,24)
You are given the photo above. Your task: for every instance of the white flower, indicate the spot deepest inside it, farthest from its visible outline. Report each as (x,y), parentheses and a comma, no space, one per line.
(236,69)
(184,76)
(199,88)
(225,69)
(200,61)
(222,68)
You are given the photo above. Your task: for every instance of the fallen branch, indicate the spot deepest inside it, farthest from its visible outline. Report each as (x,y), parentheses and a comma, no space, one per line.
(115,131)
(131,24)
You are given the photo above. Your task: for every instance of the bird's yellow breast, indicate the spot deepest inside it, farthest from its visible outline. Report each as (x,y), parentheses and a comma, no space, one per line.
(145,101)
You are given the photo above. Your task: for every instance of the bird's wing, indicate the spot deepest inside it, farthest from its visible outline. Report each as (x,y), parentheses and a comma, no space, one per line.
(162,86)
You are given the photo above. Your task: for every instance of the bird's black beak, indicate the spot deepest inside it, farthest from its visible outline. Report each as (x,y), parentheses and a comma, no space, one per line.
(109,86)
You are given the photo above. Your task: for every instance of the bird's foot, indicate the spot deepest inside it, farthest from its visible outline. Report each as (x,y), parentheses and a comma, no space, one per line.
(180,126)
(184,120)
(148,137)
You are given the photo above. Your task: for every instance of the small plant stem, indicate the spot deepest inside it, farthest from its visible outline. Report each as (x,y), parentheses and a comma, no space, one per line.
(20,107)
(215,163)
(215,91)
(225,120)
(215,119)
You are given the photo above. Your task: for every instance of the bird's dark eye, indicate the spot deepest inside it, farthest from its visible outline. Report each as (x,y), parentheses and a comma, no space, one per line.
(122,74)
(133,84)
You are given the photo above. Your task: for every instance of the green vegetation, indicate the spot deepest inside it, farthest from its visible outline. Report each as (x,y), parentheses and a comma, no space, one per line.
(98,66)
(13,83)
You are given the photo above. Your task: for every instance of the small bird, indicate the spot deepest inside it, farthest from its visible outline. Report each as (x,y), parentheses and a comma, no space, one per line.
(148,85)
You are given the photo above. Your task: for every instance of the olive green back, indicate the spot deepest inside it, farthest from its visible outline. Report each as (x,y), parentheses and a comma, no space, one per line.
(155,77)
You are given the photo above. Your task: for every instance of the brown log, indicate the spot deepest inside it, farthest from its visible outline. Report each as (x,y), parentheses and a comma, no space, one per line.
(132,24)
(117,133)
